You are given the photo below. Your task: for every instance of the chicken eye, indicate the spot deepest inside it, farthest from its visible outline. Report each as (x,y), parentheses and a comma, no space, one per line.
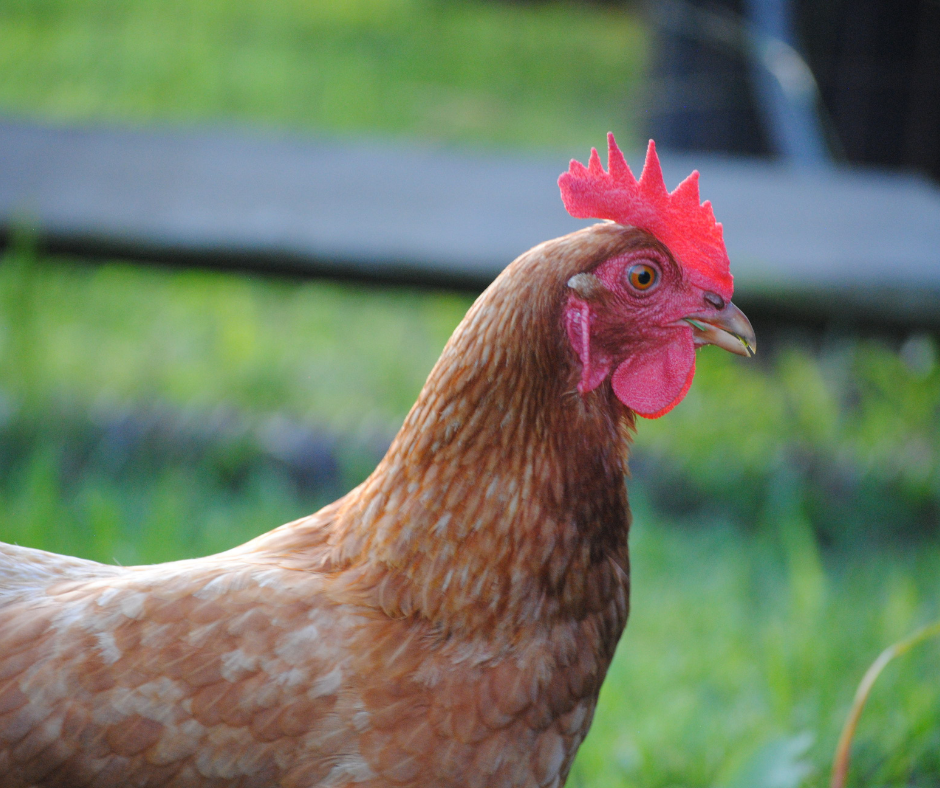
(642,276)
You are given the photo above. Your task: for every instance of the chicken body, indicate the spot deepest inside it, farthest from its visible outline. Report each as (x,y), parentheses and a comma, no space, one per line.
(447,623)
(227,673)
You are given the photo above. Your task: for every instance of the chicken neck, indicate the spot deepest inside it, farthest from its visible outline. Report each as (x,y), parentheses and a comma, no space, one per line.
(502,501)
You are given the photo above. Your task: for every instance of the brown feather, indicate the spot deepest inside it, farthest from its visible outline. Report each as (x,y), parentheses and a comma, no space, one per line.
(449,622)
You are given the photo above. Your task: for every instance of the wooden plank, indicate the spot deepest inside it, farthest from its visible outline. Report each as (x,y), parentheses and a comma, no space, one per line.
(807,244)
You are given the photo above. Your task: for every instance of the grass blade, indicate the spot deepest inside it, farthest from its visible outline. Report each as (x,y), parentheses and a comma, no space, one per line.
(840,764)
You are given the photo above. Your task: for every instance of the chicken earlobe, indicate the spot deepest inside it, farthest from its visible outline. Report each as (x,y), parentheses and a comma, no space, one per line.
(595,366)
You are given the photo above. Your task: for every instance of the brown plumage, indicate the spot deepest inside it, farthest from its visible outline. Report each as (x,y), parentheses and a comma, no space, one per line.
(447,623)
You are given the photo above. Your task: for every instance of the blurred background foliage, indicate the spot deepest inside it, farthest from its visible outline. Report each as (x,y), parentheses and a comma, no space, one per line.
(451,70)
(786,512)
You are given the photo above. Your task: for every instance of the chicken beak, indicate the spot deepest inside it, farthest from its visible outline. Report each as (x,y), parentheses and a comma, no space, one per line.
(727,328)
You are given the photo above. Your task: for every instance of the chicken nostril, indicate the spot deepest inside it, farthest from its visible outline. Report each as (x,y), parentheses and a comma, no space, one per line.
(715,300)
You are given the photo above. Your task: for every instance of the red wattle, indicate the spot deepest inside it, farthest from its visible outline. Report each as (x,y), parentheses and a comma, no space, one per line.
(653,381)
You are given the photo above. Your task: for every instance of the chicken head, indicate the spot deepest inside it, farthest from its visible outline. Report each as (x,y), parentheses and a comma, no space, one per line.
(639,316)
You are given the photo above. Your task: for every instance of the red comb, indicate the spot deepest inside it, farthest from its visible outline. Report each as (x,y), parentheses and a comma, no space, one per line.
(677,220)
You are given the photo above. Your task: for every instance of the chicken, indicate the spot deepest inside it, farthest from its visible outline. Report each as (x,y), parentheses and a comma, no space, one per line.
(448,622)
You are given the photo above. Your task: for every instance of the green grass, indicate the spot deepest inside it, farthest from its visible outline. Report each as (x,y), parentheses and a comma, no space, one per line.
(175,512)
(742,643)
(547,74)
(851,429)
(122,335)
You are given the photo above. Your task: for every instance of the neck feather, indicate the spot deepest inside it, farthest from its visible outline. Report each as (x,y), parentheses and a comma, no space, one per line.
(501,501)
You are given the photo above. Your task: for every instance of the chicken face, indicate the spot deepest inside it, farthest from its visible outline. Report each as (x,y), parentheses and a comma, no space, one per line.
(639,318)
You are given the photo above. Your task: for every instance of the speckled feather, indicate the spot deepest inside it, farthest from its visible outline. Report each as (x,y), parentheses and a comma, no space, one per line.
(447,623)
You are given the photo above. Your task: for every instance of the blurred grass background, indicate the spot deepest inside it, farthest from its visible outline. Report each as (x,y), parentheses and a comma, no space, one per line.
(787,511)
(456,71)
